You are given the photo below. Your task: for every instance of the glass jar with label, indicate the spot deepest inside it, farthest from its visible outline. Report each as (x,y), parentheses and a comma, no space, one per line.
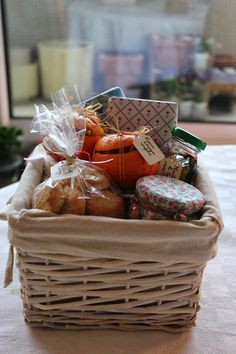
(181,159)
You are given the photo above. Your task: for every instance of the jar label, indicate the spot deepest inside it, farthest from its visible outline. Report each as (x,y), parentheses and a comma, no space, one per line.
(148,149)
(170,167)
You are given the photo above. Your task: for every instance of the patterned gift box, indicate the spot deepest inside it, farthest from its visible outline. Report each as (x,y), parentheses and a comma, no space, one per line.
(128,114)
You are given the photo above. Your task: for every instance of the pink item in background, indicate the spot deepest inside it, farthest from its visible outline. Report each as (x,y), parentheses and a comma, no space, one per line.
(171,53)
(122,70)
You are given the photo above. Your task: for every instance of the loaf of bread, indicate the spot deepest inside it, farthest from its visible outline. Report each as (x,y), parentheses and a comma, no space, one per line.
(105,204)
(68,197)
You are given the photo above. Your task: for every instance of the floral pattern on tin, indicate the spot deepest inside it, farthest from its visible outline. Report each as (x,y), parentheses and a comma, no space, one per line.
(169,194)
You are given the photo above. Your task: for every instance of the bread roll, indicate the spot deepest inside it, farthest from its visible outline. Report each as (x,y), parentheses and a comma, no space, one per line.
(95,178)
(49,198)
(105,204)
(74,202)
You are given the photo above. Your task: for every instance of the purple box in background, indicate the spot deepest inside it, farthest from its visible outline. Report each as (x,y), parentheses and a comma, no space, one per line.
(124,70)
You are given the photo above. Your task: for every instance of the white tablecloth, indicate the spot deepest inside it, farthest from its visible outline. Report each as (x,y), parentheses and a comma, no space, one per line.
(215,331)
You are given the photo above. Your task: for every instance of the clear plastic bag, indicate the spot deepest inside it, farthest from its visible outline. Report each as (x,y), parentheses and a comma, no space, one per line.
(57,127)
(69,96)
(76,186)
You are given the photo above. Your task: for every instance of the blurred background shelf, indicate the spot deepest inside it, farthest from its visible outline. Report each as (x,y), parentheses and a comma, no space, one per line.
(139,45)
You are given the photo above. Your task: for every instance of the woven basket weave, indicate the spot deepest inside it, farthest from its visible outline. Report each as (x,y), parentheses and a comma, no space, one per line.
(92,279)
(107,293)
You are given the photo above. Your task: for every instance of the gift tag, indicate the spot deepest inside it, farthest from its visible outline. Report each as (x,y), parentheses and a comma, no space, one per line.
(63,170)
(170,167)
(148,149)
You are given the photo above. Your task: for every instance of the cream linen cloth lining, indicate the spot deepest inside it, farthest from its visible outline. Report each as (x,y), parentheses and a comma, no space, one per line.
(36,231)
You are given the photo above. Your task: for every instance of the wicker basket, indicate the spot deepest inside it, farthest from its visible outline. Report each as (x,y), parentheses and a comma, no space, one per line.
(81,272)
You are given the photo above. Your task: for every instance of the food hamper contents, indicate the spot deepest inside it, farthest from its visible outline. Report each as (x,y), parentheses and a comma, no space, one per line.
(111,175)
(75,186)
(63,198)
(165,198)
(124,163)
(94,126)
(181,160)
(89,118)
(88,193)
(130,114)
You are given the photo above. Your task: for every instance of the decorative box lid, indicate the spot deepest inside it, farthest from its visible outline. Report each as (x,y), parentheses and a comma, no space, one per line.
(168,194)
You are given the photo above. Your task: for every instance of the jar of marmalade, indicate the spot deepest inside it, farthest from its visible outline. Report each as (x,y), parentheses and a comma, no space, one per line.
(181,159)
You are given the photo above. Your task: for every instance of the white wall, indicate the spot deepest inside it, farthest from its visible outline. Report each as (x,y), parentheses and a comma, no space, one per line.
(221,24)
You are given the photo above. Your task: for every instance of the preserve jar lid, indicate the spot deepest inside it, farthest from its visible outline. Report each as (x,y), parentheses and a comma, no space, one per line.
(189,138)
(168,194)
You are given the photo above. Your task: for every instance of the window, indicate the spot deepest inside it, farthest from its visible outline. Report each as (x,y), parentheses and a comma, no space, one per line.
(179,50)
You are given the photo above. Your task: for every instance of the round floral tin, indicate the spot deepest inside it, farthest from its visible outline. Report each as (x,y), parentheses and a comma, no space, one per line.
(161,197)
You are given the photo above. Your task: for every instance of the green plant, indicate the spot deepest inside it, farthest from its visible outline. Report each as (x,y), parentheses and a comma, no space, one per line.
(170,86)
(185,91)
(10,141)
(200,91)
(210,45)
(166,90)
(204,44)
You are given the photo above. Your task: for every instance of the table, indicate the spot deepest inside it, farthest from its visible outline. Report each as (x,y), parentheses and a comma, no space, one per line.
(221,87)
(215,331)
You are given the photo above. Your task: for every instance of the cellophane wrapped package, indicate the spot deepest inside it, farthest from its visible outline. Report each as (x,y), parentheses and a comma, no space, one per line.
(75,186)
